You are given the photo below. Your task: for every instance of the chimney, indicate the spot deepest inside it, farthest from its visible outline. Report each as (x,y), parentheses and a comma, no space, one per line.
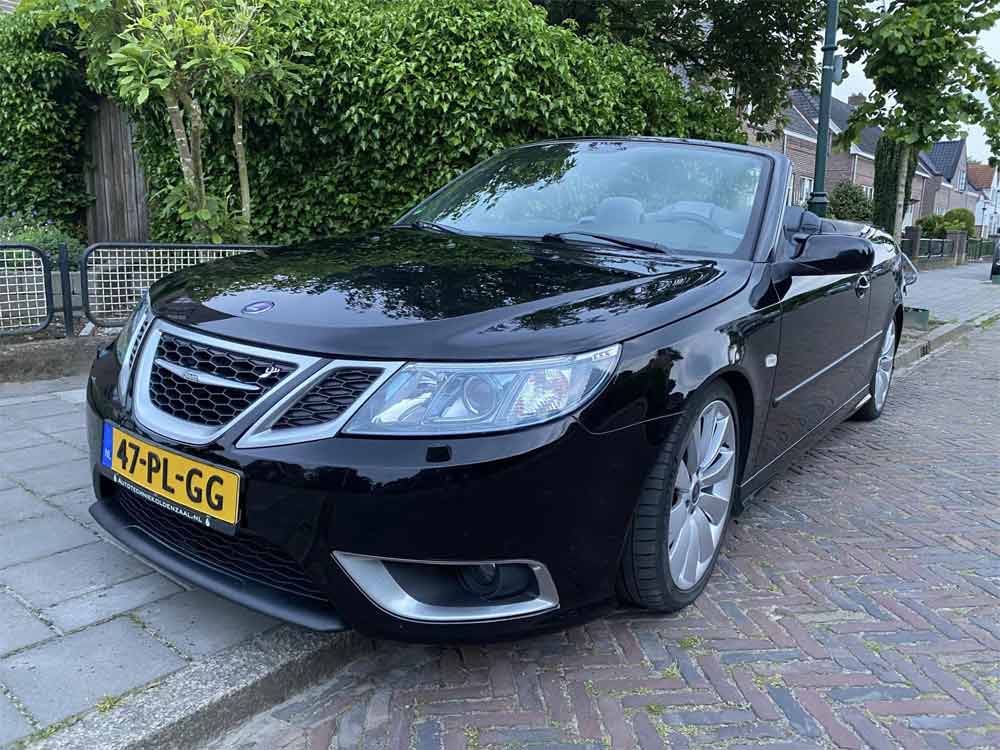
(856,100)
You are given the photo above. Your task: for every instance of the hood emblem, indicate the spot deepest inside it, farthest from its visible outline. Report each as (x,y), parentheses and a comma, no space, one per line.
(258,307)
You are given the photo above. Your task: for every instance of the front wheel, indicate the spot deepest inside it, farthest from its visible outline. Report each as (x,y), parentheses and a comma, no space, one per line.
(684,510)
(878,387)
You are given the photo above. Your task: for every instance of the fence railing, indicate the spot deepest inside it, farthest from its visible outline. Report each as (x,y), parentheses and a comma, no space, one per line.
(980,249)
(115,275)
(26,301)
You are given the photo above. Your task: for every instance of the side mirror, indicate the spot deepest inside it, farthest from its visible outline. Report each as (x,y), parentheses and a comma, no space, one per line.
(832,254)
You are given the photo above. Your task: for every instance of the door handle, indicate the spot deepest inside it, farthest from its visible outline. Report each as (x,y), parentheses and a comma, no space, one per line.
(862,286)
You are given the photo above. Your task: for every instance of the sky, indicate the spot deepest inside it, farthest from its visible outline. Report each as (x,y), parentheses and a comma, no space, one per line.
(856,83)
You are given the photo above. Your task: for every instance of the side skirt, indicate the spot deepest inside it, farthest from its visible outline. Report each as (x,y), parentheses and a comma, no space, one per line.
(766,473)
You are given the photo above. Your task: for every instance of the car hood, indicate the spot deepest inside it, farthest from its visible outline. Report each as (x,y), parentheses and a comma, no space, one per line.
(407,294)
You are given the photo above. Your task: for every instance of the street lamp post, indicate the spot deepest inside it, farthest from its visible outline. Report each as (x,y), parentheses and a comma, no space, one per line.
(819,201)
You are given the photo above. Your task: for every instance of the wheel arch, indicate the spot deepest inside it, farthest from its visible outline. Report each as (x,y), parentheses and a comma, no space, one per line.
(742,390)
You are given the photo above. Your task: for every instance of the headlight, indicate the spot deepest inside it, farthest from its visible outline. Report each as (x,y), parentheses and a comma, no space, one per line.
(449,399)
(135,326)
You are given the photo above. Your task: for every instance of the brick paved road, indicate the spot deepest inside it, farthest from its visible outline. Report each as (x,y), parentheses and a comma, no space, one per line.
(959,293)
(858,605)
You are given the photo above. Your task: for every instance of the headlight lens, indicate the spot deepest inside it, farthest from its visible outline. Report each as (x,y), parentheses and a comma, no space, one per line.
(124,340)
(448,399)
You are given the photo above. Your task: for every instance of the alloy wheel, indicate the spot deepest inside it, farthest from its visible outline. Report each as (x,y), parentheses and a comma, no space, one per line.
(886,362)
(702,496)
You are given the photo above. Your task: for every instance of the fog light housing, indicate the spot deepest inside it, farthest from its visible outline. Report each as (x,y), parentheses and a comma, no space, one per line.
(492,581)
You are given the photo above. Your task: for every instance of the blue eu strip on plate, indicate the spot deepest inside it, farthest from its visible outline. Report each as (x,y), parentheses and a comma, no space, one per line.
(107,445)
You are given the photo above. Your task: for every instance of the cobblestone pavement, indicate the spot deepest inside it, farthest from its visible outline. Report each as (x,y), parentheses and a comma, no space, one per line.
(81,621)
(956,294)
(857,605)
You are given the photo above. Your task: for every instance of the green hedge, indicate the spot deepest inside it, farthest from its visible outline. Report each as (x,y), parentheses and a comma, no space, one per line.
(43,114)
(401,96)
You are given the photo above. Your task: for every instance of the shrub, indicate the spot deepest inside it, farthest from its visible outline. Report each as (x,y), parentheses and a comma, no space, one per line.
(43,112)
(849,202)
(961,219)
(45,234)
(400,97)
(932,226)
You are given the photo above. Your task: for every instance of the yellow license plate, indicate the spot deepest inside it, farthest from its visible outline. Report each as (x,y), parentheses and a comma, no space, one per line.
(210,491)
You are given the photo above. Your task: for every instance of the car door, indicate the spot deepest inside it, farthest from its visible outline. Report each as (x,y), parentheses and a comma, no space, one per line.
(822,360)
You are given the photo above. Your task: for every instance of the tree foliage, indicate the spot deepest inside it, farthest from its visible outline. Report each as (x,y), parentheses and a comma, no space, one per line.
(850,203)
(754,50)
(923,57)
(43,112)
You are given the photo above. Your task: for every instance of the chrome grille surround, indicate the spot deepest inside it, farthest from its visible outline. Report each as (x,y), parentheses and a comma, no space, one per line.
(150,415)
(267,431)
(256,421)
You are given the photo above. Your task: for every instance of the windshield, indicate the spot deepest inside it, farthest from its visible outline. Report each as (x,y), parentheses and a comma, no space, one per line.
(690,199)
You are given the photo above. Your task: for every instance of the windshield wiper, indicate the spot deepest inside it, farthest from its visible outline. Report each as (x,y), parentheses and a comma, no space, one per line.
(429,226)
(621,241)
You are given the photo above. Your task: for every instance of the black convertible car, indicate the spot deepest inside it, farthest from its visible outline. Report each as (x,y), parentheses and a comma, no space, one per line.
(544,391)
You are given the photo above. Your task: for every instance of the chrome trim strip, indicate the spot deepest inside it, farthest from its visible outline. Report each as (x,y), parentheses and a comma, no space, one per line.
(203,378)
(261,434)
(825,419)
(370,575)
(138,335)
(150,417)
(829,367)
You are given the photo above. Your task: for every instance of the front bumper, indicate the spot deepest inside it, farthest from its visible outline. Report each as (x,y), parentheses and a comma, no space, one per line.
(555,494)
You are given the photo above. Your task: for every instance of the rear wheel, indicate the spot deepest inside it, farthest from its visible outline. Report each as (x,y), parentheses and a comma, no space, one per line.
(684,510)
(878,387)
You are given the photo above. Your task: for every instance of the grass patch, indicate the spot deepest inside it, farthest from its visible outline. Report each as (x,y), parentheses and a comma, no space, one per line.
(108,702)
(672,672)
(690,643)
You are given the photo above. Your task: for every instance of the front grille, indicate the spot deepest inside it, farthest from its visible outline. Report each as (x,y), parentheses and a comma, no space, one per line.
(329,398)
(205,404)
(246,556)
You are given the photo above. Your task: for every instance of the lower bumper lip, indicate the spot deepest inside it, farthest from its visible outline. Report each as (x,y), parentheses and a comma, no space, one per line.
(312,614)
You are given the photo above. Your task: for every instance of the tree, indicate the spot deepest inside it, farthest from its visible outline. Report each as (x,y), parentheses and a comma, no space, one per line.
(177,51)
(754,50)
(923,57)
(887,155)
(849,202)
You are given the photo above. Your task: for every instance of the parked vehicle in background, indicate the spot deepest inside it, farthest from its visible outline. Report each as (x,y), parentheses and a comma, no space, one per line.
(545,390)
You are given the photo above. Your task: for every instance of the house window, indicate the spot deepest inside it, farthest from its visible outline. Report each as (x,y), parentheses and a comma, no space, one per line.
(869,191)
(962,181)
(805,188)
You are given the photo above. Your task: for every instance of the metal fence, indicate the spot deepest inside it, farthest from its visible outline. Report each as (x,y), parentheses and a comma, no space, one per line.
(115,275)
(980,249)
(26,303)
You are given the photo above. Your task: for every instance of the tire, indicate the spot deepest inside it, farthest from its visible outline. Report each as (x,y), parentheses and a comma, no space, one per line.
(882,372)
(647,576)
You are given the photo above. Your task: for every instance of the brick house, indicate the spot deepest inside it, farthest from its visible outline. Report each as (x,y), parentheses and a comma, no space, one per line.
(949,187)
(939,183)
(986,179)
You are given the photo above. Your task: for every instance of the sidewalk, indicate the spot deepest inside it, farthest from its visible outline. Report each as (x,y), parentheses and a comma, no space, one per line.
(81,621)
(962,293)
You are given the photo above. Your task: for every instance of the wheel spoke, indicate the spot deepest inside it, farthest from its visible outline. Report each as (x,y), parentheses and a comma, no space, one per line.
(714,444)
(690,574)
(706,537)
(720,470)
(683,480)
(714,507)
(682,544)
(678,517)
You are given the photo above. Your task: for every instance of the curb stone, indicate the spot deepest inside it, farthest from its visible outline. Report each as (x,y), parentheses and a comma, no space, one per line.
(932,341)
(195,704)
